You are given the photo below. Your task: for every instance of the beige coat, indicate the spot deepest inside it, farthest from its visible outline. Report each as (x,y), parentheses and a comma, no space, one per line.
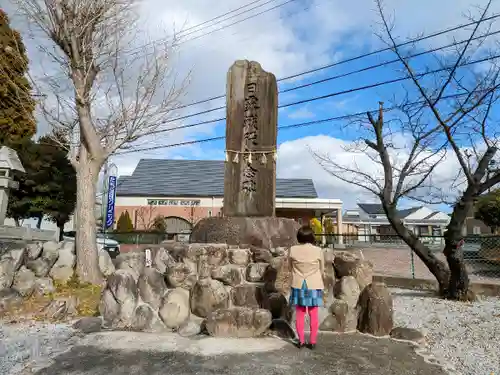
(306,263)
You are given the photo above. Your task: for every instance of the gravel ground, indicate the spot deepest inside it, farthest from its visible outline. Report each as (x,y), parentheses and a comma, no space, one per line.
(465,335)
(29,346)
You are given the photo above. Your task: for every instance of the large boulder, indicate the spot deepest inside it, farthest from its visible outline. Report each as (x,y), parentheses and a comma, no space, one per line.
(347,290)
(17,255)
(207,296)
(180,275)
(133,261)
(7,272)
(338,320)
(348,264)
(238,322)
(162,259)
(24,282)
(42,265)
(175,310)
(146,319)
(329,277)
(64,267)
(246,295)
(33,250)
(240,257)
(123,288)
(60,308)
(255,272)
(375,310)
(152,287)
(229,274)
(109,308)
(106,264)
(262,232)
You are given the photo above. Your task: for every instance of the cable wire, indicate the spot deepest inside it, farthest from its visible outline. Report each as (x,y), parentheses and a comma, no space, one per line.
(292,126)
(358,57)
(337,93)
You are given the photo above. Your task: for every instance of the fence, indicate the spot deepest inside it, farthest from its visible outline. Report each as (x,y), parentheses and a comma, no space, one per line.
(26,233)
(390,256)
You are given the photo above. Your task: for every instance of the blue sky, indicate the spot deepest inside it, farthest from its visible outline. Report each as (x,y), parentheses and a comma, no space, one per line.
(296,37)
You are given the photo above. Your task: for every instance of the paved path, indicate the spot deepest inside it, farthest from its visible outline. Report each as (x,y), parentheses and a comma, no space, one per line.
(336,354)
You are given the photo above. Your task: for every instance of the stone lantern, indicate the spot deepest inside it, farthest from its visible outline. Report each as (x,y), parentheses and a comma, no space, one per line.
(9,162)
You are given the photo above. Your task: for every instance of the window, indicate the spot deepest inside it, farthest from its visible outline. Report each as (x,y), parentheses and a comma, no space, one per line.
(476,230)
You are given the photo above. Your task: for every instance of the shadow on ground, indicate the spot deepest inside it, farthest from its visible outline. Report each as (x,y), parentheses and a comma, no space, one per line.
(335,354)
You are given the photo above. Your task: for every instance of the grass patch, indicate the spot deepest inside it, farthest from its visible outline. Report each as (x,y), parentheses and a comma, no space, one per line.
(88,296)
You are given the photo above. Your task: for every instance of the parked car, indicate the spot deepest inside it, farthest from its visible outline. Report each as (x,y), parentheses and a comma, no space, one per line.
(104,243)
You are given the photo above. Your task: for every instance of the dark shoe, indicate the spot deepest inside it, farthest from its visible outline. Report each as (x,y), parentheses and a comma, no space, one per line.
(299,344)
(311,346)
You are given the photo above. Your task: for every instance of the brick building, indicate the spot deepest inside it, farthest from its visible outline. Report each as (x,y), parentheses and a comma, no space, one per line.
(185,191)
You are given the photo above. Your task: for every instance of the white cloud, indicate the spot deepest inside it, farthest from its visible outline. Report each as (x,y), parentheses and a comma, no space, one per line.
(296,160)
(298,37)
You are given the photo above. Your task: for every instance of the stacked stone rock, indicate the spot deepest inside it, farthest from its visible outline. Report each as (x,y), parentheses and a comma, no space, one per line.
(358,303)
(235,291)
(27,269)
(226,290)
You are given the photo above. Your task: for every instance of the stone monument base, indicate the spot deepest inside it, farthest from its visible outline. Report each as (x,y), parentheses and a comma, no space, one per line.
(263,232)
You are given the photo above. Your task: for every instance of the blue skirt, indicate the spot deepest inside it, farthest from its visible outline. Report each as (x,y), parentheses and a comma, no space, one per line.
(306,297)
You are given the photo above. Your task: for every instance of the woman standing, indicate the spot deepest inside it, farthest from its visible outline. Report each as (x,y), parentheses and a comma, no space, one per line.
(307,268)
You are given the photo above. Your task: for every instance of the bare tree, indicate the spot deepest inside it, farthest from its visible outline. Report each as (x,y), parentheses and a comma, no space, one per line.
(146,217)
(111,98)
(192,215)
(448,116)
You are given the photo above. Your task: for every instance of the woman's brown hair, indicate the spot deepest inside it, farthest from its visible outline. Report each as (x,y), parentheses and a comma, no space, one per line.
(306,235)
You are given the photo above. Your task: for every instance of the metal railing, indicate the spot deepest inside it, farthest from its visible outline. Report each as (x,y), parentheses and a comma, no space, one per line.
(388,253)
(390,256)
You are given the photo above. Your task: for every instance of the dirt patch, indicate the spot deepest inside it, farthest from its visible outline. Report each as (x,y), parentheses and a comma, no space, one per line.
(32,308)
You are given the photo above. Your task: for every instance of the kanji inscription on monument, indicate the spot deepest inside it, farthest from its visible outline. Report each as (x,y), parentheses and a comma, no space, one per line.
(251,131)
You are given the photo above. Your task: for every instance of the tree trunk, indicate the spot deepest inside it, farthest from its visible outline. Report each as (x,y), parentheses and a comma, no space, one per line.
(17,222)
(459,278)
(435,266)
(39,222)
(60,226)
(86,246)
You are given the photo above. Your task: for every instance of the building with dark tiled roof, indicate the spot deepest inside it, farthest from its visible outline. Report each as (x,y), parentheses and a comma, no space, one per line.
(369,221)
(185,191)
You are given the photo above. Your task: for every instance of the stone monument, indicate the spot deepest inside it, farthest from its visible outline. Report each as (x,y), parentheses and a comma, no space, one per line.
(250,168)
(251,131)
(9,162)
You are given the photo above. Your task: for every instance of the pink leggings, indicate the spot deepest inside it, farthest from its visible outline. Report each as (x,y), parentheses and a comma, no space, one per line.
(313,318)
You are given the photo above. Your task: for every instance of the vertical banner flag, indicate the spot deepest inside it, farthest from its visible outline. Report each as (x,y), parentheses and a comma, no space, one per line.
(110,208)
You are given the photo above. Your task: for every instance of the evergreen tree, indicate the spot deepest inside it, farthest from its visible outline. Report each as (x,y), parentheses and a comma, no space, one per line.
(488,209)
(57,181)
(124,223)
(17,106)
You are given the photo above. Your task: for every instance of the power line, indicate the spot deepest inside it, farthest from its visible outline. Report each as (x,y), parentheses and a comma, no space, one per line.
(139,48)
(358,57)
(292,126)
(225,14)
(331,78)
(239,21)
(236,15)
(337,93)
